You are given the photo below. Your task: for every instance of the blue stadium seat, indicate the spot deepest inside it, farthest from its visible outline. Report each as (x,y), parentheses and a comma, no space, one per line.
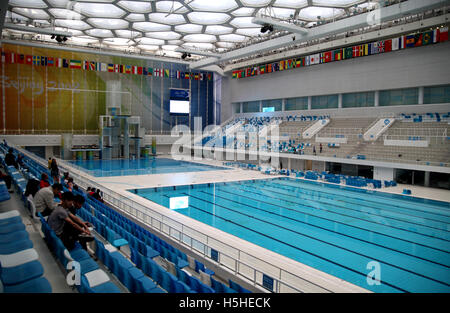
(37,285)
(15,246)
(20,273)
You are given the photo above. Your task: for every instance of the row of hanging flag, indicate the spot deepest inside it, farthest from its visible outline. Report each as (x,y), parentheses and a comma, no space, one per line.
(403,42)
(15,58)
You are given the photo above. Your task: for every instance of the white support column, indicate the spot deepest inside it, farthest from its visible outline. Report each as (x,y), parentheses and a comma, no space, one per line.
(427,179)
(283,105)
(377,98)
(260,106)
(340,101)
(241,110)
(421,95)
(309,102)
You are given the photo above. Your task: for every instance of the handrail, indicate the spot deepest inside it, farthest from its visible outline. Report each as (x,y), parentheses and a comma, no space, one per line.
(183,234)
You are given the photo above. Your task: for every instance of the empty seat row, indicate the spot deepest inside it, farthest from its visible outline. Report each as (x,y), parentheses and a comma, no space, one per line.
(20,269)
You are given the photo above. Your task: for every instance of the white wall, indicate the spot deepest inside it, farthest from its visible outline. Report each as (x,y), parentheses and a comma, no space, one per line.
(424,66)
(383,173)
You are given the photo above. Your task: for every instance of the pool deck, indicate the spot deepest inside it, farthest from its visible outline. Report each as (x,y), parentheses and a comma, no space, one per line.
(315,280)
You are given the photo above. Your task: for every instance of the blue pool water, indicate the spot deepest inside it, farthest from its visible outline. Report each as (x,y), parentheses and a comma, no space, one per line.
(335,229)
(104,168)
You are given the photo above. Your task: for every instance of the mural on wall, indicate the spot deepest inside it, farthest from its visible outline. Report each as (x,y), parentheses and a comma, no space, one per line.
(52,91)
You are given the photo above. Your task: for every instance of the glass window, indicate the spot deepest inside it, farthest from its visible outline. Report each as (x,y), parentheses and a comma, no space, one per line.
(296,104)
(324,102)
(250,107)
(358,100)
(439,94)
(399,97)
(276,104)
(237,107)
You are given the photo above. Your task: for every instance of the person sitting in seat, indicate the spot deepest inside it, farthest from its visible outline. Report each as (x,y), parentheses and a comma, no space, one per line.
(10,159)
(68,227)
(70,184)
(97,195)
(44,199)
(32,188)
(44,181)
(7,180)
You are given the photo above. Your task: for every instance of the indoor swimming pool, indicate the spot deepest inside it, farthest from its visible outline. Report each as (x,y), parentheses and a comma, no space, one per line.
(123,167)
(339,230)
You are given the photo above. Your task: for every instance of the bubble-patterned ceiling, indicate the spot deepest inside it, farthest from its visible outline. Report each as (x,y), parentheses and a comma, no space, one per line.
(160,27)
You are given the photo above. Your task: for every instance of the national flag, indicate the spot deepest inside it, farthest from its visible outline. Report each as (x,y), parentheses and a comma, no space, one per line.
(6,57)
(50,61)
(443,34)
(196,76)
(21,59)
(122,68)
(262,69)
(173,74)
(381,46)
(298,62)
(281,66)
(248,71)
(166,73)
(374,48)
(418,40)
(348,53)
(275,67)
(402,42)
(178,75)
(58,62)
(158,72)
(410,41)
(395,44)
(149,71)
(289,63)
(116,68)
(315,58)
(43,61)
(144,71)
(328,57)
(338,55)
(29,59)
(307,60)
(139,70)
(364,50)
(36,60)
(388,45)
(355,52)
(92,65)
(128,69)
(269,68)
(110,67)
(209,77)
(12,58)
(86,65)
(322,58)
(75,64)
(235,74)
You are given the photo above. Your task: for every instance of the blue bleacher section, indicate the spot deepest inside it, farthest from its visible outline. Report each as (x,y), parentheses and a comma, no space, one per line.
(324,176)
(145,275)
(20,269)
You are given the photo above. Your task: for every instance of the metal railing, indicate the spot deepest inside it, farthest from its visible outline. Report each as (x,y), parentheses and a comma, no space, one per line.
(47,132)
(241,263)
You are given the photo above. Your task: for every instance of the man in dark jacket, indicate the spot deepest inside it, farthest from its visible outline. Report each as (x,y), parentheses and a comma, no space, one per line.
(10,159)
